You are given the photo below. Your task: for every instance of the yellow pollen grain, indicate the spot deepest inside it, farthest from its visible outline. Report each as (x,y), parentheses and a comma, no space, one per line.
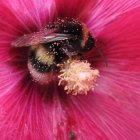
(42,55)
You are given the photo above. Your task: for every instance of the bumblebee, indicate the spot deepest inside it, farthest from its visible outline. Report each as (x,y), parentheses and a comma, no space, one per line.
(57,42)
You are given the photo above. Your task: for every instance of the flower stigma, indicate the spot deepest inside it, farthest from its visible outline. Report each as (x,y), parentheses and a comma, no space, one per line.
(57,53)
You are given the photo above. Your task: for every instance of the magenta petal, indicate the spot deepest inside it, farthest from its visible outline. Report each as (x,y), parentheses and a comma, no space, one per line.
(118,87)
(27,14)
(116,120)
(120,45)
(74,8)
(106,11)
(120,42)
(23,121)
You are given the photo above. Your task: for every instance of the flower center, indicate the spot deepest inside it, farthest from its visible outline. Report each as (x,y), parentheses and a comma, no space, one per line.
(56,52)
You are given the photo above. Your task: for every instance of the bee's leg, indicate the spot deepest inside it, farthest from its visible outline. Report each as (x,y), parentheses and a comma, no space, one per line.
(102,56)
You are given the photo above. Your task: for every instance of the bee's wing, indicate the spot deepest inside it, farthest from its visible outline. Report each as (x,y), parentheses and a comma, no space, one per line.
(39,37)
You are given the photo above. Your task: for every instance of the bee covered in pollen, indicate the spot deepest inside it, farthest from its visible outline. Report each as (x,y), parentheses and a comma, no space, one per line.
(56,52)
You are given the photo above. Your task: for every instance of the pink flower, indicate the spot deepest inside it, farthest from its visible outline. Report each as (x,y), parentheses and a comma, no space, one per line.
(29,111)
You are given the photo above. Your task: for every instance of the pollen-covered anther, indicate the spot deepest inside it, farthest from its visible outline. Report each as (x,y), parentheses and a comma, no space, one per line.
(78,77)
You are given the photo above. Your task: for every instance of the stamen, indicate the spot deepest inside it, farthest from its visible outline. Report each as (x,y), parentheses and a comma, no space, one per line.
(77,77)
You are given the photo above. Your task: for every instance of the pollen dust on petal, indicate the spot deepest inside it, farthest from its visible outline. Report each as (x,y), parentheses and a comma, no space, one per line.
(78,77)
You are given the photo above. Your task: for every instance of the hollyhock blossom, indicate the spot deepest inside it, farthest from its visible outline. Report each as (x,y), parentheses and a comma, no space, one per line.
(31,111)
